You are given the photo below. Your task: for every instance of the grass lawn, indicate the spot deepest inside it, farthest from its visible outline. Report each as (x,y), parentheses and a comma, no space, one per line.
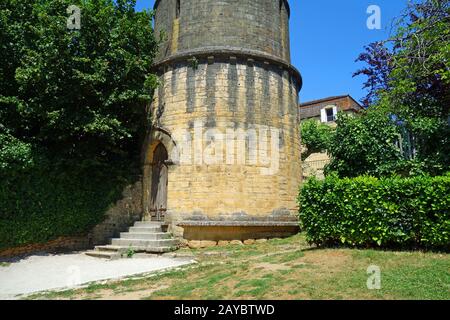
(284,269)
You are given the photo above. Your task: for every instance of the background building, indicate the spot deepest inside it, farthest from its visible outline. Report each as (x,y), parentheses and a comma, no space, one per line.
(324,110)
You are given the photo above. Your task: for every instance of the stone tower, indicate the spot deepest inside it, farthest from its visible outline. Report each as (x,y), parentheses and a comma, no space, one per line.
(222,160)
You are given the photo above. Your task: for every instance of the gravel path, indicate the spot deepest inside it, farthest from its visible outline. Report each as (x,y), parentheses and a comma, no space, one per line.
(44,272)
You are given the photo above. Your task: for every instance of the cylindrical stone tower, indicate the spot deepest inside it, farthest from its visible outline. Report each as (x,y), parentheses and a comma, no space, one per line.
(222,160)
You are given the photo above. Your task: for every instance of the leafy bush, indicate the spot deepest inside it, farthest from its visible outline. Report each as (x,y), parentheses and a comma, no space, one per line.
(44,202)
(409,75)
(72,113)
(365,144)
(14,154)
(366,211)
(316,136)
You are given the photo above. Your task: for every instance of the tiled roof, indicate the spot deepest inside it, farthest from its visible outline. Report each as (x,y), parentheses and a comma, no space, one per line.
(322,100)
(311,109)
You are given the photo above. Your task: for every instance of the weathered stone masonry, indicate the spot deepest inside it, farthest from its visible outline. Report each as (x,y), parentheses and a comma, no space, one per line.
(258,25)
(226,64)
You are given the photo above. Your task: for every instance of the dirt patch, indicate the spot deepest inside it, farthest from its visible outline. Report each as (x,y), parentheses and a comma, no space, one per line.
(131,294)
(271,267)
(327,258)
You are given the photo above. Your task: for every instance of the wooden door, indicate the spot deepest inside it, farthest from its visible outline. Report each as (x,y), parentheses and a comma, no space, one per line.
(158,193)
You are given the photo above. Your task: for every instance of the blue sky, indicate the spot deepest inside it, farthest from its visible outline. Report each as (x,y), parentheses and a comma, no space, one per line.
(326,38)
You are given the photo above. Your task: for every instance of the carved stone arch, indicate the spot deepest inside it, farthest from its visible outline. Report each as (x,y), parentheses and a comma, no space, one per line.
(156,137)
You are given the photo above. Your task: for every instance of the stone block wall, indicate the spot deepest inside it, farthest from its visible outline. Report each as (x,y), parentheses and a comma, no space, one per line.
(58,245)
(261,25)
(226,94)
(227,112)
(120,216)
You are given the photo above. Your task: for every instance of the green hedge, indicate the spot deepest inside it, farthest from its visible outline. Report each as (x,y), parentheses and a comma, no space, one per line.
(46,202)
(366,211)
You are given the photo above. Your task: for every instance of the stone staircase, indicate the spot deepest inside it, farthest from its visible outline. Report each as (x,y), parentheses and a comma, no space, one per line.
(144,236)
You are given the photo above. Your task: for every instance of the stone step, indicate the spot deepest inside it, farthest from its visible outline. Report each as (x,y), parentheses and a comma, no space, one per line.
(161,249)
(148,224)
(109,248)
(144,243)
(123,249)
(112,255)
(145,229)
(145,236)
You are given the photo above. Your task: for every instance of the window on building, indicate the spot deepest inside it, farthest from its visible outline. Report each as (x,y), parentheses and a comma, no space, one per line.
(328,114)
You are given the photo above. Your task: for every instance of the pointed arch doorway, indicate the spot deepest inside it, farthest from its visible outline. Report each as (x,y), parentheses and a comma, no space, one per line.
(158,148)
(159,181)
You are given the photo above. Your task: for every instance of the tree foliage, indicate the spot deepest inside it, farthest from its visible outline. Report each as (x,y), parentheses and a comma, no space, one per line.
(365,144)
(409,77)
(316,137)
(377,57)
(80,94)
(72,113)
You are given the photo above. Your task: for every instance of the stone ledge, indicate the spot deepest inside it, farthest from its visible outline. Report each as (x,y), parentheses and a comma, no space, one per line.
(228,51)
(238,224)
(155,6)
(61,244)
(237,230)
